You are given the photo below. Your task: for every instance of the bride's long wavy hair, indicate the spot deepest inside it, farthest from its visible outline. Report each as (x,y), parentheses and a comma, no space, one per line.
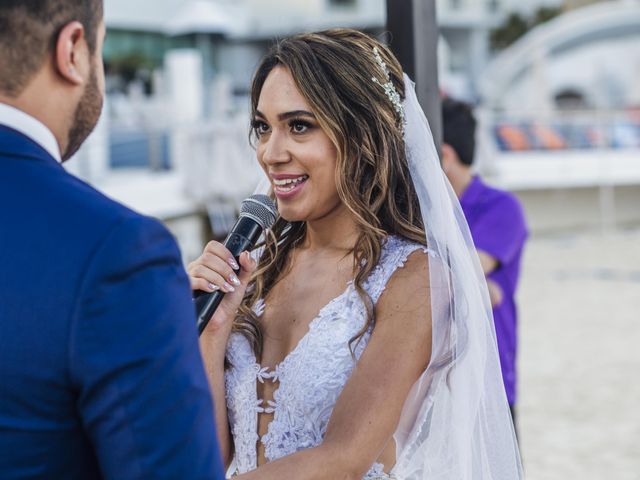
(334,71)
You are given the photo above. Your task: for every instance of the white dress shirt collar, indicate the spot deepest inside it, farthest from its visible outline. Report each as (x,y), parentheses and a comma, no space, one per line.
(31,127)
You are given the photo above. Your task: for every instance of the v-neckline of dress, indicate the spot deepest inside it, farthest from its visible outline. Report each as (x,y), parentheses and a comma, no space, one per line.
(312,325)
(275,374)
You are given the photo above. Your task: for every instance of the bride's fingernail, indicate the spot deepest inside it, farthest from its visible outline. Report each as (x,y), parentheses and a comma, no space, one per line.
(213,287)
(228,287)
(234,279)
(233,263)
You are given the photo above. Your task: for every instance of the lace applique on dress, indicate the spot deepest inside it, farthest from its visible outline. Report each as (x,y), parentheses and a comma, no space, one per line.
(377,473)
(302,408)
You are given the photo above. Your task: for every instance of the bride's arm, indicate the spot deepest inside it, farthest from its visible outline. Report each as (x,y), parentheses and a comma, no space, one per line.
(367,411)
(213,358)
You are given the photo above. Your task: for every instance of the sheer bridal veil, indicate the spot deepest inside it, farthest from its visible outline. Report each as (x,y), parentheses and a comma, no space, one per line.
(455,423)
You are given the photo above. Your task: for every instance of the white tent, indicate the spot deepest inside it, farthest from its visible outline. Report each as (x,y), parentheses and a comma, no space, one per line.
(205,16)
(176,17)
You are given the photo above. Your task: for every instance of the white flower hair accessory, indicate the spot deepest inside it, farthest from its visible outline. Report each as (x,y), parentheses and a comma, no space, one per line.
(389,88)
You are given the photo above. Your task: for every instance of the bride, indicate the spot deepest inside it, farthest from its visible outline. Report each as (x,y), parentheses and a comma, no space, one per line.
(360,343)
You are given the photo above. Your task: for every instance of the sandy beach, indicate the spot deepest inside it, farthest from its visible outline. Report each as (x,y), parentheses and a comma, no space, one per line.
(579,362)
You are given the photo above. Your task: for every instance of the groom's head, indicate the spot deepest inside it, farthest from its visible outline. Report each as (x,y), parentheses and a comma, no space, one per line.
(51,64)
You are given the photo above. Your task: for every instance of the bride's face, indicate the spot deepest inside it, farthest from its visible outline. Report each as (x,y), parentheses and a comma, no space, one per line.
(295,153)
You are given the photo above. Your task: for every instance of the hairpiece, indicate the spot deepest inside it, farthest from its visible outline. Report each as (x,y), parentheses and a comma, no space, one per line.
(389,87)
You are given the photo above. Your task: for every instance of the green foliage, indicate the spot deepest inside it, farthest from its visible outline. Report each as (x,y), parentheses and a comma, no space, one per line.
(515,26)
(511,30)
(127,66)
(544,14)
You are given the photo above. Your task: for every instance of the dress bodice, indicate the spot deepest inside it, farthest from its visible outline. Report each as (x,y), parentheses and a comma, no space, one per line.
(302,408)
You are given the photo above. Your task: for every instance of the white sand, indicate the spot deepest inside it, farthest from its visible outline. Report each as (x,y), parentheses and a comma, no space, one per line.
(579,361)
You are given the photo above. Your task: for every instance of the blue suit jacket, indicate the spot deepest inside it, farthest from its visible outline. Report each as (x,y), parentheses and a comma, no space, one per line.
(100,371)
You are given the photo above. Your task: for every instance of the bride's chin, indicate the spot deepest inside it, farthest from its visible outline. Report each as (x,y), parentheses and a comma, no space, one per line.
(285,212)
(291,216)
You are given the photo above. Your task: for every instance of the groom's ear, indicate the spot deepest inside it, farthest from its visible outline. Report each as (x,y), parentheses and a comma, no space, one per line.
(72,60)
(449,156)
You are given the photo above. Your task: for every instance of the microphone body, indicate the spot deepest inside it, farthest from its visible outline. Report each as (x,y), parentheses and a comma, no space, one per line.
(257,213)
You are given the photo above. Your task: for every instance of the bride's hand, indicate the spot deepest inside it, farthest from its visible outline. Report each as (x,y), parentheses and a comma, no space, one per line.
(216,269)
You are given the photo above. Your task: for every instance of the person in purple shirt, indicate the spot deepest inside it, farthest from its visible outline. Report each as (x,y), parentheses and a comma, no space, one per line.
(498,227)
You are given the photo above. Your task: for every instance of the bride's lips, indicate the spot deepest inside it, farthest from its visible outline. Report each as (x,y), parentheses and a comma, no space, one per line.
(288,185)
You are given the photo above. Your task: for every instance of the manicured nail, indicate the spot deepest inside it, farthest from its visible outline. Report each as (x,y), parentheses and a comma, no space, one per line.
(228,288)
(213,287)
(233,263)
(233,278)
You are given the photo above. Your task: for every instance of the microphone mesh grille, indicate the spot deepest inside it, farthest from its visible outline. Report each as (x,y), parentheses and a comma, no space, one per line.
(261,208)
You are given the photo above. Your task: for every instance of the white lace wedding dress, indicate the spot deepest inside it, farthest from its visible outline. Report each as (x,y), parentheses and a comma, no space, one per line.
(310,378)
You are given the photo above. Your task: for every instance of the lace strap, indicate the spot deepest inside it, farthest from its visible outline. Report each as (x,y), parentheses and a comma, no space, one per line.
(394,255)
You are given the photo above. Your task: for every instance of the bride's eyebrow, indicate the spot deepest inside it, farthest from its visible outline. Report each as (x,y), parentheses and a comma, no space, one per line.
(288,115)
(294,114)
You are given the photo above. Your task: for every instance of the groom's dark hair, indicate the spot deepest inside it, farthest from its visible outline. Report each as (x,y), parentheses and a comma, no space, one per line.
(29,31)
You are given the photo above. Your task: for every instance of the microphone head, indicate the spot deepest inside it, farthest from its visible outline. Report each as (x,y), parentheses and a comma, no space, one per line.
(261,209)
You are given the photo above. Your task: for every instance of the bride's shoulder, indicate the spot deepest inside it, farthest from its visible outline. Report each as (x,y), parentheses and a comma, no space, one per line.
(398,251)
(413,266)
(407,258)
(401,261)
(407,288)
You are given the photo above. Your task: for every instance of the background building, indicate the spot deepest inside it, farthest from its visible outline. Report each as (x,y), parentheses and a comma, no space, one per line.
(232,35)
(557,108)
(561,117)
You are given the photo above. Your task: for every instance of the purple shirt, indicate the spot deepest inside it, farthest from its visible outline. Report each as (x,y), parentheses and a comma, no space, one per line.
(498,228)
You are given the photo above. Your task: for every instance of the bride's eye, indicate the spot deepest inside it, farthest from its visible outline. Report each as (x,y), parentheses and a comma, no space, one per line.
(299,126)
(259,127)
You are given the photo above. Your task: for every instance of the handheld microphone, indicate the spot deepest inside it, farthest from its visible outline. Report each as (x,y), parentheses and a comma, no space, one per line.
(257,213)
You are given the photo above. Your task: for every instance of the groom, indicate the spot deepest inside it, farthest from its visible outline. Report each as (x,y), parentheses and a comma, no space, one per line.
(100,371)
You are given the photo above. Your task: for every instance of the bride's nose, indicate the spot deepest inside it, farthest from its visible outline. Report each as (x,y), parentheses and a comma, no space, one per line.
(276,149)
